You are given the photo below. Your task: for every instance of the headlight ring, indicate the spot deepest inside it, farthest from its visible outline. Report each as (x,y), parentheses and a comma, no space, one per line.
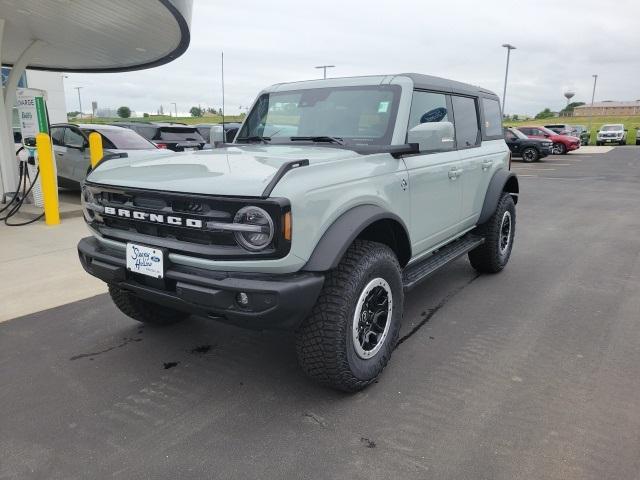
(258,239)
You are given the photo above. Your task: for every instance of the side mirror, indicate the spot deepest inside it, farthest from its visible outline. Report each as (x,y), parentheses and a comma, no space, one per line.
(216,135)
(432,136)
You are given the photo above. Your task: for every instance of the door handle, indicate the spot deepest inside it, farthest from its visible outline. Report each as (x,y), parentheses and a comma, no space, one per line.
(455,173)
(486,164)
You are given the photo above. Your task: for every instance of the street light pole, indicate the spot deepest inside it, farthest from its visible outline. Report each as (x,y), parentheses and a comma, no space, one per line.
(593,96)
(79,100)
(324,69)
(175,107)
(509,47)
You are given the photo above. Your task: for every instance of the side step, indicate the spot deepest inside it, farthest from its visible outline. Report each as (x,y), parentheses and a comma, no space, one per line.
(414,274)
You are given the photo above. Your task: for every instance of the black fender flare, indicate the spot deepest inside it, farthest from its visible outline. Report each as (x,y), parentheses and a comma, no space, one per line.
(502,180)
(343,231)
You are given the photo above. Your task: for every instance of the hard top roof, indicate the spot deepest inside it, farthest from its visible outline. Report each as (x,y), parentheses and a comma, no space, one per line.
(426,82)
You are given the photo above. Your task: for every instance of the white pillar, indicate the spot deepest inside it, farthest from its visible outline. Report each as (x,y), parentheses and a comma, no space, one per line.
(8,164)
(17,70)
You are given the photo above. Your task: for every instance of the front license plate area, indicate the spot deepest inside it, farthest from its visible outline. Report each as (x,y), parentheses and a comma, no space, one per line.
(147,261)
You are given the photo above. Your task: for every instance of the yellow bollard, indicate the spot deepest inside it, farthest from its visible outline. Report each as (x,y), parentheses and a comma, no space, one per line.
(48,179)
(95,148)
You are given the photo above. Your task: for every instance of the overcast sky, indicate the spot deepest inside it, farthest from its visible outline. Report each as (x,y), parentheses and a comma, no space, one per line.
(560,44)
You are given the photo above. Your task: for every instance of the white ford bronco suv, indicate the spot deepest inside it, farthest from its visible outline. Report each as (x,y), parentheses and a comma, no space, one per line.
(336,197)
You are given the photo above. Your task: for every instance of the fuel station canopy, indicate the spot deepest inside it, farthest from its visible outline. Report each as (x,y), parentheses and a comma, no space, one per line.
(83,36)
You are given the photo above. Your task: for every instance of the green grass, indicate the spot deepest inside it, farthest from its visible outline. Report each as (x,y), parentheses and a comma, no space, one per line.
(631,123)
(163,118)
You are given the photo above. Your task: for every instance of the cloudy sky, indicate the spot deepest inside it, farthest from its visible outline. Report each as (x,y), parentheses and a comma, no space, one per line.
(560,44)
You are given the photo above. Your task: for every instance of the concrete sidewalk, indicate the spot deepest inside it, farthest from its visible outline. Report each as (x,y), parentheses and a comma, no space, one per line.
(39,268)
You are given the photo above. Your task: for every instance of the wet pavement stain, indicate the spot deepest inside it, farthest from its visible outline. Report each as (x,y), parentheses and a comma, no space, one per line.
(168,365)
(126,341)
(201,349)
(367,443)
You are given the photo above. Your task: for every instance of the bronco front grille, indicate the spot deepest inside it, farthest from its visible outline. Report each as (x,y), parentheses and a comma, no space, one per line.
(199,215)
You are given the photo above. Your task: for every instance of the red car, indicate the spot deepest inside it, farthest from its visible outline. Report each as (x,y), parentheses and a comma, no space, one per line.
(561,143)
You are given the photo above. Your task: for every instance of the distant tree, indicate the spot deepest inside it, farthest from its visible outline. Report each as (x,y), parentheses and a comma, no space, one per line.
(515,117)
(219,111)
(242,114)
(211,110)
(73,114)
(569,108)
(196,112)
(546,113)
(124,112)
(145,115)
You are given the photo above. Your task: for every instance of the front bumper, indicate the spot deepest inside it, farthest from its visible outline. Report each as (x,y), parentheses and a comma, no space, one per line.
(275,301)
(573,146)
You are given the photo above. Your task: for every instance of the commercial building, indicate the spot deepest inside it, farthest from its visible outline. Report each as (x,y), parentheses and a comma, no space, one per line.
(608,107)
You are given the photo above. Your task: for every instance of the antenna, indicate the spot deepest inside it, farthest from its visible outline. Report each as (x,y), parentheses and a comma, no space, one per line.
(224,135)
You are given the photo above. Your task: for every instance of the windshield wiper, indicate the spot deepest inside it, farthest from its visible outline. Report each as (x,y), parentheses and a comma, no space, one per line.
(319,139)
(254,138)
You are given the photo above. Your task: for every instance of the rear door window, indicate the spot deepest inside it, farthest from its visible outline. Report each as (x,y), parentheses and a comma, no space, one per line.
(73,138)
(465,114)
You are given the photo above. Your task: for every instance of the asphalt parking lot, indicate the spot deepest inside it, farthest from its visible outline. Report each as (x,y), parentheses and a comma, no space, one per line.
(532,373)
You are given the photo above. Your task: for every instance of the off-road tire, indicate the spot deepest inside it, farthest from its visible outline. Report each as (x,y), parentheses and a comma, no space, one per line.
(324,341)
(530,154)
(144,311)
(490,257)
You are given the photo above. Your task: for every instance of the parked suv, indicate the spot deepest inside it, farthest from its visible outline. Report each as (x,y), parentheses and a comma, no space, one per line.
(583,133)
(173,136)
(612,133)
(637,135)
(529,149)
(561,143)
(364,187)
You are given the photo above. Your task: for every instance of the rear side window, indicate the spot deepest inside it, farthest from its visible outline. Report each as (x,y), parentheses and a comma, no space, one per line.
(427,107)
(465,113)
(172,134)
(492,117)
(71,137)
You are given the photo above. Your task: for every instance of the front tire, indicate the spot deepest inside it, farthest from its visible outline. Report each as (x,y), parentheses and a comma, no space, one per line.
(348,338)
(558,149)
(142,310)
(499,232)
(530,154)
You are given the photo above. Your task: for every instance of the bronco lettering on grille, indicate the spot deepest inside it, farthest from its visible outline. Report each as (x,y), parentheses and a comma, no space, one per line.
(153,217)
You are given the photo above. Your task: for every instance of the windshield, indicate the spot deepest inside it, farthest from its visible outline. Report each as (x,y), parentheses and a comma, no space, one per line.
(362,115)
(547,131)
(611,128)
(518,133)
(122,139)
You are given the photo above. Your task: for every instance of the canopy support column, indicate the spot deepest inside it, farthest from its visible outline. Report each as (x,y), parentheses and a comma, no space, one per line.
(7,156)
(8,181)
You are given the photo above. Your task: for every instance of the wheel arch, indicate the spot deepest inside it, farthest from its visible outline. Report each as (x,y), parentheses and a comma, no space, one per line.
(502,181)
(366,222)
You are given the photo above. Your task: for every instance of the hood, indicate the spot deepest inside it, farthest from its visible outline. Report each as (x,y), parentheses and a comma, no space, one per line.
(243,170)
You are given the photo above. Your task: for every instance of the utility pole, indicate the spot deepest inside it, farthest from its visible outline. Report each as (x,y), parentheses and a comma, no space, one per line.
(79,100)
(593,96)
(324,69)
(509,47)
(175,107)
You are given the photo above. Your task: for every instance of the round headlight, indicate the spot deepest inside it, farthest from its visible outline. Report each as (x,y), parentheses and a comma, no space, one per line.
(259,228)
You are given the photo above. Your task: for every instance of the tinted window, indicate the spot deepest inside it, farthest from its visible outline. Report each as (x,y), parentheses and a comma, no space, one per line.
(509,135)
(147,131)
(466,119)
(492,117)
(72,137)
(177,134)
(427,107)
(56,135)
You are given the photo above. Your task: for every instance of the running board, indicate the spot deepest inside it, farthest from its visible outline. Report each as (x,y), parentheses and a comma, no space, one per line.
(416,273)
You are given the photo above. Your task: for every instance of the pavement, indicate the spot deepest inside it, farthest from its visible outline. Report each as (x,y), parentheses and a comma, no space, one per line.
(533,373)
